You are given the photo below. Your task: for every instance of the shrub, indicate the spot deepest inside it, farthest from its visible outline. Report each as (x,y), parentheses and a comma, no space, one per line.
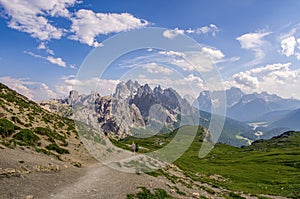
(27,137)
(56,148)
(16,120)
(6,127)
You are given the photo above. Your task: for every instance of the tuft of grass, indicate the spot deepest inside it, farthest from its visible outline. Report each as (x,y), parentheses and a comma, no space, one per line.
(147,194)
(7,128)
(26,137)
(55,147)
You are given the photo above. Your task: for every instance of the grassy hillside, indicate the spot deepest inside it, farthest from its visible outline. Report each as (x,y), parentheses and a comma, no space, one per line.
(266,167)
(25,123)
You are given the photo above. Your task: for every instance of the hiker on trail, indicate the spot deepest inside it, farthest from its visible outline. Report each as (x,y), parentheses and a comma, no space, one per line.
(136,148)
(133,147)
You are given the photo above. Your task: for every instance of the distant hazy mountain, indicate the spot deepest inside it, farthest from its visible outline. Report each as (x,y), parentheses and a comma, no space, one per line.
(247,107)
(291,121)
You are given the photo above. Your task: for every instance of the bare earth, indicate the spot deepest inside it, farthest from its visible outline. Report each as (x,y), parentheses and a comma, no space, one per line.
(27,174)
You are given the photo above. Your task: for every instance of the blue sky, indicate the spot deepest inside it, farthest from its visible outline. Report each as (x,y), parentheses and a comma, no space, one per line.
(254,44)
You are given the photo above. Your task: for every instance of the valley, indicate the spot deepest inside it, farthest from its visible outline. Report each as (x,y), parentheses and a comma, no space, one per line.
(32,151)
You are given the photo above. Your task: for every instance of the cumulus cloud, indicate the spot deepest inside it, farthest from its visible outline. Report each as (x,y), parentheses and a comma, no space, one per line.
(30,16)
(56,60)
(32,90)
(246,80)
(53,60)
(87,25)
(288,46)
(157,69)
(276,78)
(254,42)
(103,86)
(213,53)
(194,80)
(170,34)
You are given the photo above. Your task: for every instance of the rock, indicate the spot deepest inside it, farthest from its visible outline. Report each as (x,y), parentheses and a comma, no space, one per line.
(29,197)
(196,195)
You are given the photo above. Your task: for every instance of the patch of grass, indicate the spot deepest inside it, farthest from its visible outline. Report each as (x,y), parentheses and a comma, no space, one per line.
(147,194)
(130,196)
(7,128)
(252,169)
(266,167)
(26,137)
(16,120)
(234,195)
(52,136)
(55,147)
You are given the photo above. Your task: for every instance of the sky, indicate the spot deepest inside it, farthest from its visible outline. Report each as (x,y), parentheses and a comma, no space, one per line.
(254,45)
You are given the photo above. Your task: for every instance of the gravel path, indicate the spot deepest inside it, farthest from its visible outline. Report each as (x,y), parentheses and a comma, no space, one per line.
(103,182)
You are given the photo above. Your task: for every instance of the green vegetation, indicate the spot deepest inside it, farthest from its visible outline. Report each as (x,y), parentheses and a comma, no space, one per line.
(50,134)
(56,148)
(7,128)
(26,137)
(147,194)
(25,123)
(266,167)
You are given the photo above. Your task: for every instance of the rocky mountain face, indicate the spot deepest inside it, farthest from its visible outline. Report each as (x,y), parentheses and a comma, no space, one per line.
(247,107)
(131,106)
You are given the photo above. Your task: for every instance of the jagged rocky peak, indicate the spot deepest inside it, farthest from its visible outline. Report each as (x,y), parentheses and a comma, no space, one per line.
(73,96)
(132,86)
(158,89)
(125,90)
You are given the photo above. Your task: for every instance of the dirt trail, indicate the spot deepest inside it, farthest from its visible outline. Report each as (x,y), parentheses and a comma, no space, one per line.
(103,182)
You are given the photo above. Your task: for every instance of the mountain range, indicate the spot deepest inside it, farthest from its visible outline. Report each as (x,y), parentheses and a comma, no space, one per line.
(135,109)
(271,110)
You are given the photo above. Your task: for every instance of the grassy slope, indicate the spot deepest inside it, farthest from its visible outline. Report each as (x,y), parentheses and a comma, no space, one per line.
(266,167)
(25,123)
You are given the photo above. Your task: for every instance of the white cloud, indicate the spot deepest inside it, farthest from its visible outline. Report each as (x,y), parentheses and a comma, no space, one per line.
(42,92)
(246,80)
(87,25)
(171,53)
(43,46)
(213,53)
(254,42)
(32,90)
(209,29)
(275,78)
(212,28)
(30,16)
(170,34)
(288,46)
(157,69)
(194,80)
(103,86)
(54,60)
